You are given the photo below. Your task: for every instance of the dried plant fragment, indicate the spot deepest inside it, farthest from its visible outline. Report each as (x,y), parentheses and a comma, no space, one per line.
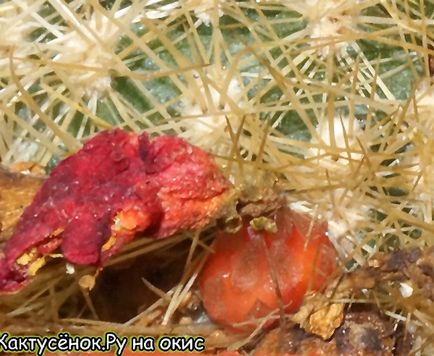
(410,268)
(319,315)
(363,332)
(98,199)
(254,202)
(322,313)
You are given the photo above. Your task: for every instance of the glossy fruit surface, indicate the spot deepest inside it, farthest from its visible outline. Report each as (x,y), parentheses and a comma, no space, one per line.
(237,283)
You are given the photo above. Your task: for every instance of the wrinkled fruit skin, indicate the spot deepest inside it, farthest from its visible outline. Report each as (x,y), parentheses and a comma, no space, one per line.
(98,199)
(236,283)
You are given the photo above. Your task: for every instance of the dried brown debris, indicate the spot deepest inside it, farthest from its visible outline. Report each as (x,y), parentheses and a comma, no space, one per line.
(319,315)
(363,332)
(322,313)
(414,267)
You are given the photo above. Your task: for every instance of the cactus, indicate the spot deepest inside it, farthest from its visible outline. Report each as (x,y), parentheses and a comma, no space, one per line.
(331,99)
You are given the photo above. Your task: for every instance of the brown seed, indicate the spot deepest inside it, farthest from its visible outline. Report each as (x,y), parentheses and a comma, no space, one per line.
(87,282)
(431,65)
(431,61)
